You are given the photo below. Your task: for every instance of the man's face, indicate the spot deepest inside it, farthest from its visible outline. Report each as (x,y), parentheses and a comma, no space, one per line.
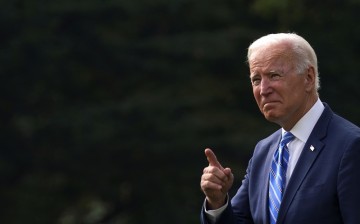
(281,94)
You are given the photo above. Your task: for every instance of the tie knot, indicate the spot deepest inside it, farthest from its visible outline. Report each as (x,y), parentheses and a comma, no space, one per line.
(286,138)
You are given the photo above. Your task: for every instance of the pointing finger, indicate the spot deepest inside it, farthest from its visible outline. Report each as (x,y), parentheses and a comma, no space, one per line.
(211,157)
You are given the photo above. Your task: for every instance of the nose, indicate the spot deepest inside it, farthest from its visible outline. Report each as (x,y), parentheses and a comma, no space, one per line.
(265,87)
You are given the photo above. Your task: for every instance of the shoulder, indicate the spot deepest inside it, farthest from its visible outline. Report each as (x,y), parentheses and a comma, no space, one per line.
(343,127)
(335,124)
(265,144)
(271,138)
(341,134)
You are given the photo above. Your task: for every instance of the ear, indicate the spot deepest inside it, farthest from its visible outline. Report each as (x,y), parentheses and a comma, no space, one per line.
(310,79)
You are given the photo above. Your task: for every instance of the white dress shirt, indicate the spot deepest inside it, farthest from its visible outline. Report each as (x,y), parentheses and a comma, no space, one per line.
(301,131)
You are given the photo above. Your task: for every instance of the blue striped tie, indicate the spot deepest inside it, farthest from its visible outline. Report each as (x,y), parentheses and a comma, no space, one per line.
(277,175)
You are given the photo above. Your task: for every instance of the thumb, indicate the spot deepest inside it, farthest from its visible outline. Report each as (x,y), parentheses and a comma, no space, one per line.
(211,157)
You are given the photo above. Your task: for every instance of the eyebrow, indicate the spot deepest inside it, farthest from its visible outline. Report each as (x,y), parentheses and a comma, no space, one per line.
(279,71)
(268,73)
(252,75)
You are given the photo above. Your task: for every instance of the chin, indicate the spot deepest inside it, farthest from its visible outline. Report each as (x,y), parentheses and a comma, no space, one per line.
(271,117)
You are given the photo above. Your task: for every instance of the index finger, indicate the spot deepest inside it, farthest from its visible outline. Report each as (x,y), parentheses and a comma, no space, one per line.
(211,157)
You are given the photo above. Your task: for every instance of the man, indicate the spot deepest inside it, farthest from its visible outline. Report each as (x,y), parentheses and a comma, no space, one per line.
(313,176)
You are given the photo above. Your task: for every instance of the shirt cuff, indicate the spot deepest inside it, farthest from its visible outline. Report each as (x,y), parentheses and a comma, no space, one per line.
(213,215)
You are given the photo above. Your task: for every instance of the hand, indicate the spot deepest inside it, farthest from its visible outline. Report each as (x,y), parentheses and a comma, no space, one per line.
(215,181)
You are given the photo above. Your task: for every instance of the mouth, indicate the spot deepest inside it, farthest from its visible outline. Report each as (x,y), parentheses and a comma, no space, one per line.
(269,104)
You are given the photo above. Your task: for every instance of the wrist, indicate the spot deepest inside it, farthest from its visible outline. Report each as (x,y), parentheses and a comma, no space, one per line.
(212,205)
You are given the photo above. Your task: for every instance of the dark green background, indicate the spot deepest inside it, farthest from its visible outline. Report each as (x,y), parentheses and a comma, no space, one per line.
(107,106)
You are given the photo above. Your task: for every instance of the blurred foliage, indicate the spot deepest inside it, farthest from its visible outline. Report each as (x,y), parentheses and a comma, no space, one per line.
(106,106)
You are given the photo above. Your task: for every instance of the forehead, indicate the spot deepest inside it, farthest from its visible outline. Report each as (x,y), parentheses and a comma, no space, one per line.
(270,58)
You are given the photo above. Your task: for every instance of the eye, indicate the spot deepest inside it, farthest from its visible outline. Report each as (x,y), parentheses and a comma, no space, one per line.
(255,81)
(275,76)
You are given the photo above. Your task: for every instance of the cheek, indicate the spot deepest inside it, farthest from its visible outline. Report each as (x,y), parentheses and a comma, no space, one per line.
(256,93)
(257,97)
(294,94)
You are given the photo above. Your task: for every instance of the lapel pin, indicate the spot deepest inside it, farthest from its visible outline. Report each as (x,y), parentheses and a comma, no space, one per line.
(312,148)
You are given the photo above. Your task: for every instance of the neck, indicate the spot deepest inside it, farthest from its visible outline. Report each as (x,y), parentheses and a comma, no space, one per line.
(290,123)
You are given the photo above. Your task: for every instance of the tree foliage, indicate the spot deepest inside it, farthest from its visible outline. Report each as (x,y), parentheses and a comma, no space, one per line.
(107,106)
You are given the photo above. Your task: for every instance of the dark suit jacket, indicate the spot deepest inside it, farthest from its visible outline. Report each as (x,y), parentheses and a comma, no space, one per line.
(324,187)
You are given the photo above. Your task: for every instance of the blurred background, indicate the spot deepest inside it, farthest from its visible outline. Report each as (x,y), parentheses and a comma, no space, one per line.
(107,106)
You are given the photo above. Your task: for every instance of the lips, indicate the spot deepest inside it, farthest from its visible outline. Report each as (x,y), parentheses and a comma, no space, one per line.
(270,103)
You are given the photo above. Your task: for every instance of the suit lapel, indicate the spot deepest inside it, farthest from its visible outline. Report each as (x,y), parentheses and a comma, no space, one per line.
(265,193)
(310,152)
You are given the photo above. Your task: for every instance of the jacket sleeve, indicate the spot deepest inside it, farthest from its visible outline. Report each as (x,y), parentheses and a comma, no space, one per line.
(238,211)
(240,202)
(348,184)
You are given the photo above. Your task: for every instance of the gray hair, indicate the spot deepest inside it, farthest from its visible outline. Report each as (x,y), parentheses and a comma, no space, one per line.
(302,51)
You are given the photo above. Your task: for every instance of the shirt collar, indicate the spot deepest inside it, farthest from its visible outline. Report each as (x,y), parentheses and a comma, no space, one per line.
(305,125)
